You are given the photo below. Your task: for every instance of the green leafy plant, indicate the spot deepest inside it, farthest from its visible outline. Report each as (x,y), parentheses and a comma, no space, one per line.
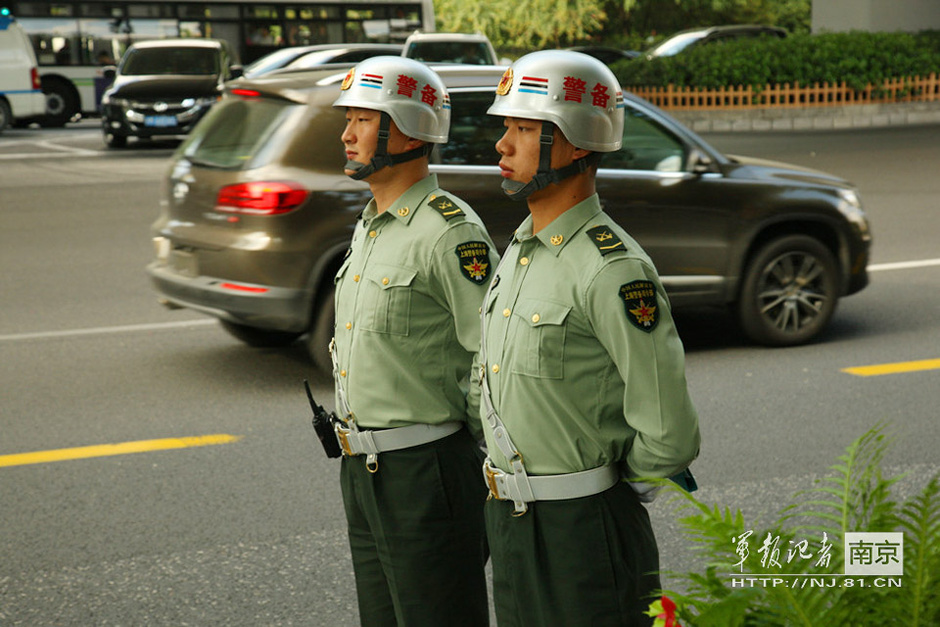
(855,497)
(857,58)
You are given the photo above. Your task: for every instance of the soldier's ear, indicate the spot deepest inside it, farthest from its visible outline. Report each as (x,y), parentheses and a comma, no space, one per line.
(579,153)
(415,143)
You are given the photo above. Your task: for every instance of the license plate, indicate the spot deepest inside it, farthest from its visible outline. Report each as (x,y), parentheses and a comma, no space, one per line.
(160,121)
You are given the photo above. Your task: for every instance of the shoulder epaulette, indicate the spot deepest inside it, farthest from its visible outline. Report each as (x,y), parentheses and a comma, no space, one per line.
(606,240)
(446,207)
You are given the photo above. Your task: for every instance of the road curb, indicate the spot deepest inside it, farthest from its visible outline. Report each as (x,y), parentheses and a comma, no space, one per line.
(811,118)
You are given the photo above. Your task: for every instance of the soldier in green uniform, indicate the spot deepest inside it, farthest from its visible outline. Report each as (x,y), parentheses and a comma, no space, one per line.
(582,371)
(408,298)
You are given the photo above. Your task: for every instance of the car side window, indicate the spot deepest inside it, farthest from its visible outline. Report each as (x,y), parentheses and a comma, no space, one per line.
(473,133)
(647,145)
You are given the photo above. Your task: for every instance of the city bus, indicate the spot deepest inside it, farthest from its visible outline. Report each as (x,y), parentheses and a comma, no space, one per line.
(76,40)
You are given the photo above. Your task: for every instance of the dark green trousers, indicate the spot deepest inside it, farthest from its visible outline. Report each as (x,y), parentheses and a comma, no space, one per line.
(416,534)
(591,561)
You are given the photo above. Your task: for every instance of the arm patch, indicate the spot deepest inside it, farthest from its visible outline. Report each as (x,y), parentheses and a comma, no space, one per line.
(446,207)
(639,303)
(606,240)
(474,261)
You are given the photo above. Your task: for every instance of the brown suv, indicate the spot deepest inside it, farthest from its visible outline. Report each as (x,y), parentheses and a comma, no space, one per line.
(258,213)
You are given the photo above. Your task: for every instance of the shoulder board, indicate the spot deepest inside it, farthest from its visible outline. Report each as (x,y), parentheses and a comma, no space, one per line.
(446,207)
(606,240)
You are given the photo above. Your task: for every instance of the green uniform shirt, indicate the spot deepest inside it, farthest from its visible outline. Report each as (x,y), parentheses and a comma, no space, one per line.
(408,301)
(583,360)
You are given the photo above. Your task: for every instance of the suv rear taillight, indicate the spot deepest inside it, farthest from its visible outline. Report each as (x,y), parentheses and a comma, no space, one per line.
(261,198)
(245,93)
(34,75)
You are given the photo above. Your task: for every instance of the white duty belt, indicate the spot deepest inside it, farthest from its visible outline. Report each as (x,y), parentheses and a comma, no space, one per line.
(517,486)
(370,442)
(508,487)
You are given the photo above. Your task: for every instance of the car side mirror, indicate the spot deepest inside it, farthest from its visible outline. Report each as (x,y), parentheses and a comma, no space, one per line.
(236,71)
(699,163)
(109,72)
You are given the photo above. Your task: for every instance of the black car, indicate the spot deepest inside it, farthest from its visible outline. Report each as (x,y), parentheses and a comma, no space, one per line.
(605,55)
(310,57)
(710,35)
(164,87)
(255,223)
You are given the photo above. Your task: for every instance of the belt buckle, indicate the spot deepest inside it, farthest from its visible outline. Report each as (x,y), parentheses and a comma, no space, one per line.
(341,434)
(491,474)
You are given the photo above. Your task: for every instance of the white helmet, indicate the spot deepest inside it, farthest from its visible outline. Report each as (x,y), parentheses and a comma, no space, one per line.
(407,90)
(574,91)
(570,90)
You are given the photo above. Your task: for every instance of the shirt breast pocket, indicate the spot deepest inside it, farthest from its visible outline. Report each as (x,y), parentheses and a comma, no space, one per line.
(342,271)
(386,298)
(540,338)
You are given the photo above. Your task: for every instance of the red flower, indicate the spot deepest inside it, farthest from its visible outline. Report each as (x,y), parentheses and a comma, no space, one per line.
(664,611)
(669,612)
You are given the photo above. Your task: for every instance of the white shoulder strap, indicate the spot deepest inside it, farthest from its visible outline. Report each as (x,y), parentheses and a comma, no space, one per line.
(500,434)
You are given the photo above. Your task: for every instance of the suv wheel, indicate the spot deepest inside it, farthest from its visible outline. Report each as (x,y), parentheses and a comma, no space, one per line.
(789,291)
(259,338)
(321,332)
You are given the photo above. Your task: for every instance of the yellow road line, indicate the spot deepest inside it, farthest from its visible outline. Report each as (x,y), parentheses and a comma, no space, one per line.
(895,368)
(105,450)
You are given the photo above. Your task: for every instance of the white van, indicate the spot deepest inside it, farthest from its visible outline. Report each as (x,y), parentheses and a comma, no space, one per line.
(20,90)
(467,48)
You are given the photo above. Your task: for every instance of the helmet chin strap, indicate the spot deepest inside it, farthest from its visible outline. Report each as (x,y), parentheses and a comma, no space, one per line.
(546,175)
(382,159)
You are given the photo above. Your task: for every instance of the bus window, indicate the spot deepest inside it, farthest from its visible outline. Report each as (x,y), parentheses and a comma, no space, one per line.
(308,25)
(151,11)
(97,37)
(49,36)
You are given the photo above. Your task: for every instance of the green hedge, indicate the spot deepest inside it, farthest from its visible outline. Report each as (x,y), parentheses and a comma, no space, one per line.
(858,58)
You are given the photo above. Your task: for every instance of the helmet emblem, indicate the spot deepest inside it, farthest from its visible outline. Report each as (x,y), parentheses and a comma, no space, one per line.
(505,83)
(348,81)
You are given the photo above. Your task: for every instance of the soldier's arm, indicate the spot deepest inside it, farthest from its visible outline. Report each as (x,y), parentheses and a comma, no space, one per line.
(465,264)
(632,320)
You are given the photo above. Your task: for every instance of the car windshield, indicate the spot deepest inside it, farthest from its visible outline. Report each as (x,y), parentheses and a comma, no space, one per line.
(182,60)
(273,61)
(675,44)
(316,58)
(235,131)
(471,52)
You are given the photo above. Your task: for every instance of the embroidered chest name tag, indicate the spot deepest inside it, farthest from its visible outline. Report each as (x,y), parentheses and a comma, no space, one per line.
(446,207)
(474,260)
(605,240)
(639,302)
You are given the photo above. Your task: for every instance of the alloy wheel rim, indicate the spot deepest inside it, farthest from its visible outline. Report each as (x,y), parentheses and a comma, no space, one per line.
(791,291)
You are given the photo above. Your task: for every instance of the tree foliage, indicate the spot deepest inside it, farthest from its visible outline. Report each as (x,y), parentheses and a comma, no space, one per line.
(523,25)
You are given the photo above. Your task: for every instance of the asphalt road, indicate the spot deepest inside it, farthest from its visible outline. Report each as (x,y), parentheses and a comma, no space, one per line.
(249,530)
